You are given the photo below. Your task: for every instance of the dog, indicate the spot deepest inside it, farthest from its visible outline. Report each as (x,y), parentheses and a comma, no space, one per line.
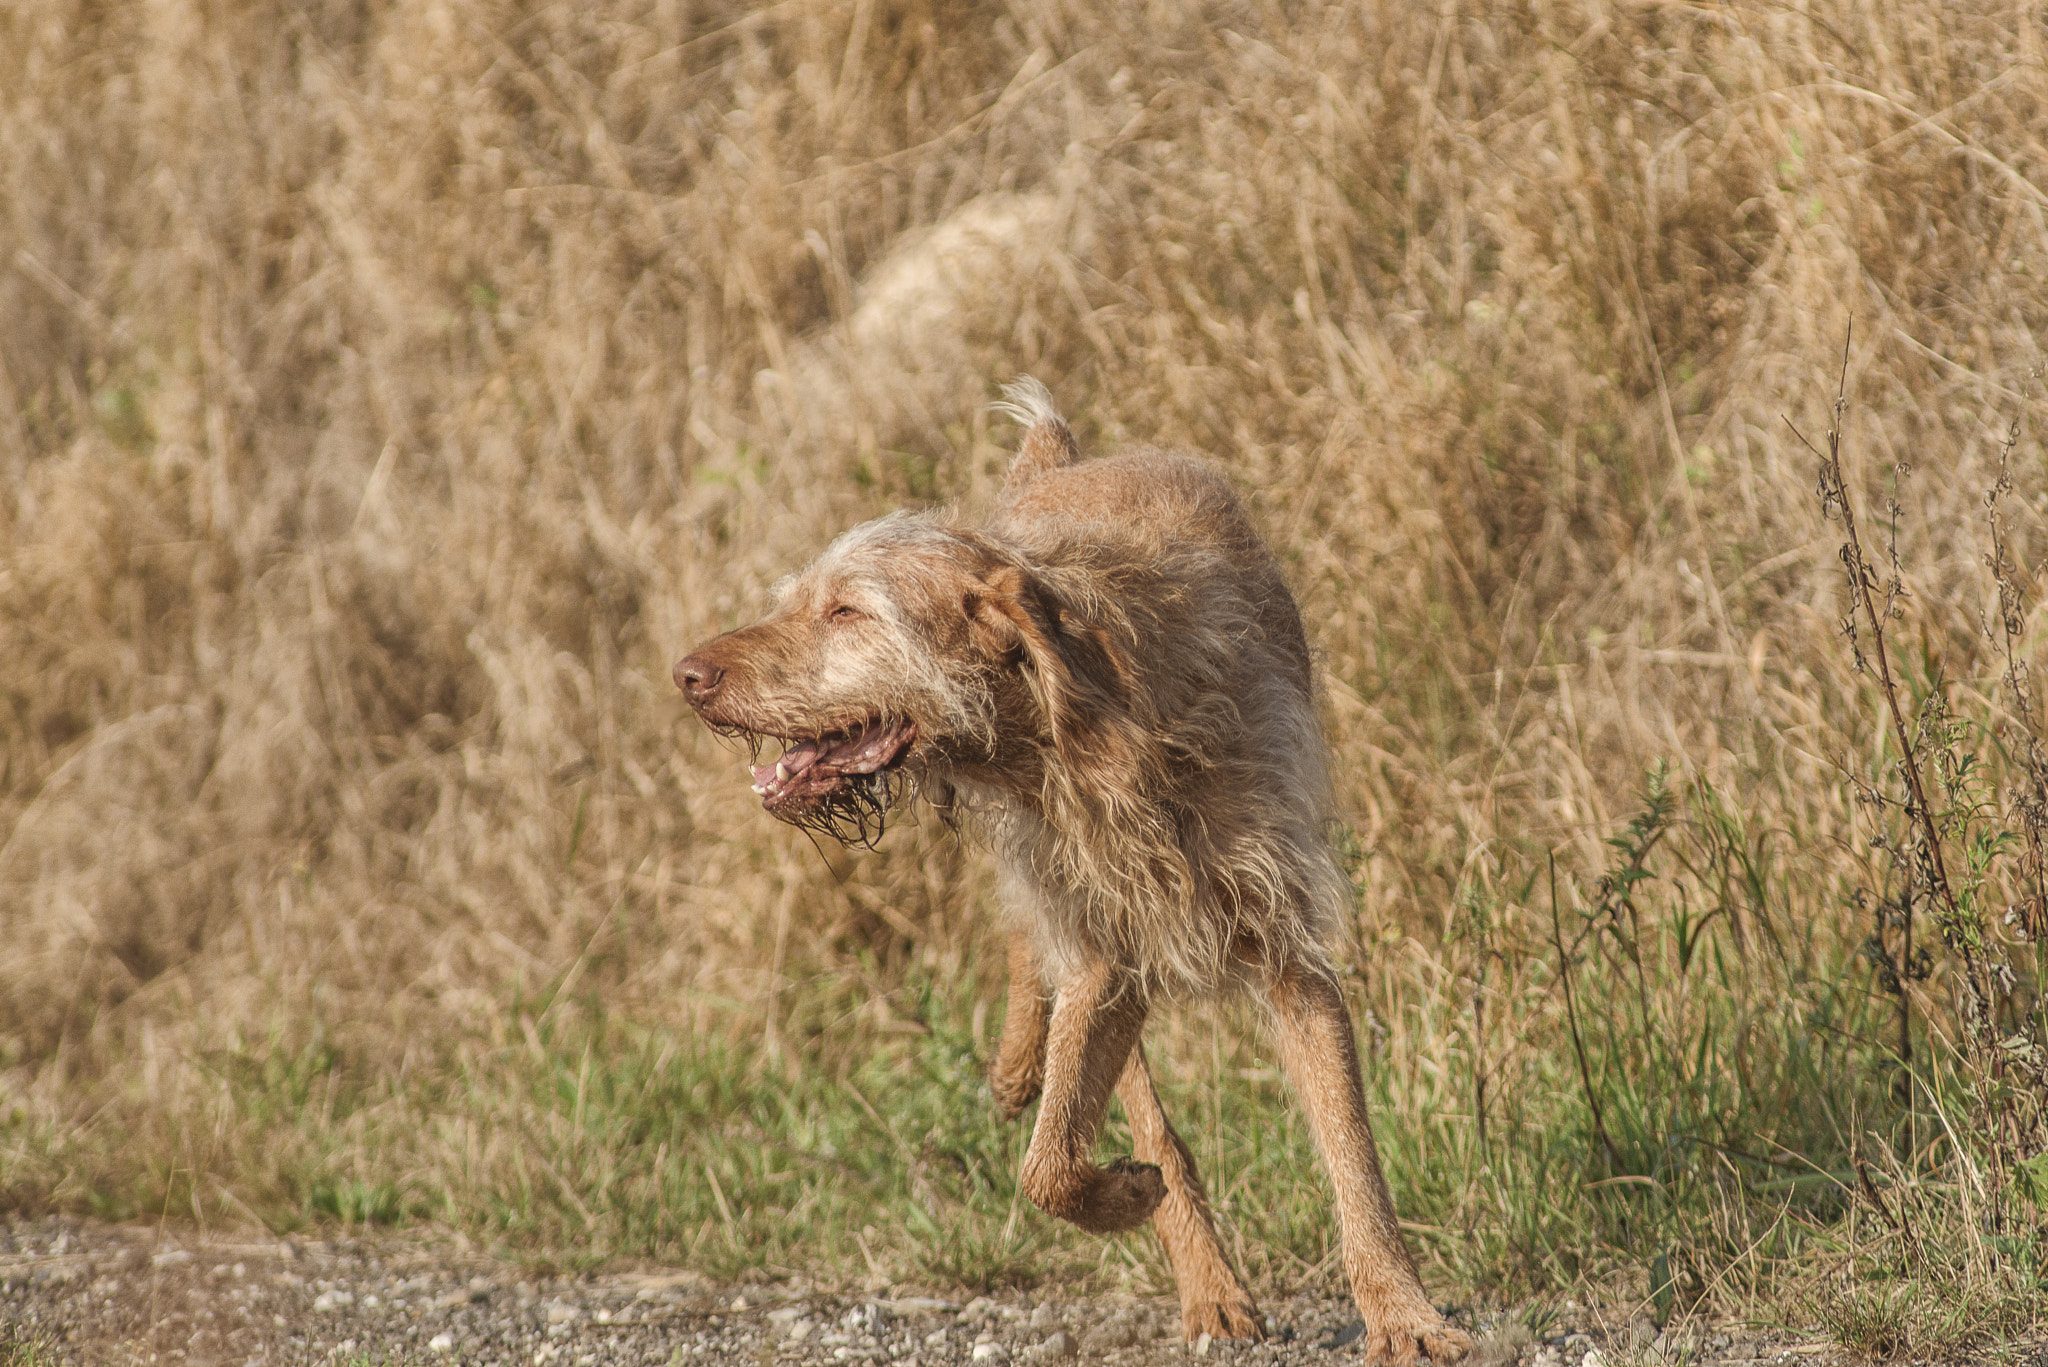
(1112,678)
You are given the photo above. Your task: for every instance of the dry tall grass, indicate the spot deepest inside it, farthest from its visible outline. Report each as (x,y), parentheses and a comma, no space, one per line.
(388,392)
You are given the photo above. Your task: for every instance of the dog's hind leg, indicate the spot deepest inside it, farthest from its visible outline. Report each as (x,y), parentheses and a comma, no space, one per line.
(1020,1059)
(1097,1015)
(1212,1298)
(1321,1055)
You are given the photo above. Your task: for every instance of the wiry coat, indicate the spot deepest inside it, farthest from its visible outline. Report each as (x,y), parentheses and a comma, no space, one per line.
(1112,676)
(1179,825)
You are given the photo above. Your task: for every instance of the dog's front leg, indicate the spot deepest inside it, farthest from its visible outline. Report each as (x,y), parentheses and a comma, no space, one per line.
(1321,1055)
(1097,1015)
(1020,1059)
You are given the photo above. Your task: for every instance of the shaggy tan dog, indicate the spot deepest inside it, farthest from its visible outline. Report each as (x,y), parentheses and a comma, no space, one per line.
(1111,674)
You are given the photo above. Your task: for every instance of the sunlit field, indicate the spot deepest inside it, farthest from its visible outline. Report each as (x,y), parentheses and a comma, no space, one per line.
(390,393)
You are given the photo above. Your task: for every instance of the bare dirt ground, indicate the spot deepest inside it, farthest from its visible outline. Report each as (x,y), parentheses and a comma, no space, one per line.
(87,1293)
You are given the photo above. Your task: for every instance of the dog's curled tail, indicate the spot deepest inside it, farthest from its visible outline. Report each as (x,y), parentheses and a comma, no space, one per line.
(1047,443)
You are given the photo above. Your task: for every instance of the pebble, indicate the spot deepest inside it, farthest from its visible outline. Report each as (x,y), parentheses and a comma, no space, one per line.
(1059,1344)
(866,1319)
(1109,1335)
(358,1300)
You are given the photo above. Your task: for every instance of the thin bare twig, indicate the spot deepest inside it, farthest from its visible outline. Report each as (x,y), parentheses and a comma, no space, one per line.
(1571,1011)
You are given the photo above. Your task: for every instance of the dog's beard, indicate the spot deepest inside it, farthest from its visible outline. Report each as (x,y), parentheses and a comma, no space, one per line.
(841,784)
(854,813)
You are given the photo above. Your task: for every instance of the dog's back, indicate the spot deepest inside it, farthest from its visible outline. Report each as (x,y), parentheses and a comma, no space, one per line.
(1158,503)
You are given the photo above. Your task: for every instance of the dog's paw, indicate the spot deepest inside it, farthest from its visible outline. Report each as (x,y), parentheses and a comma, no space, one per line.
(1122,1196)
(1110,1199)
(1398,1337)
(1446,1345)
(1232,1319)
(1014,1090)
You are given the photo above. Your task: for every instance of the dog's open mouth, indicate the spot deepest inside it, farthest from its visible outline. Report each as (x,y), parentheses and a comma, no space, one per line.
(839,768)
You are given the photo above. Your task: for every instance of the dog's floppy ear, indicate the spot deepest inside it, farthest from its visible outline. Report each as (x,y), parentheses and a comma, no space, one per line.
(1018,620)
(1078,669)
(1107,767)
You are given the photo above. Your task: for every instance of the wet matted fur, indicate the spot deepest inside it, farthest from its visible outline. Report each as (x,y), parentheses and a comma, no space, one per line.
(1112,676)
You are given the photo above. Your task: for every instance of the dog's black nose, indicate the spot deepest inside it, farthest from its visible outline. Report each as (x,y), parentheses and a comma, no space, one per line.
(699,678)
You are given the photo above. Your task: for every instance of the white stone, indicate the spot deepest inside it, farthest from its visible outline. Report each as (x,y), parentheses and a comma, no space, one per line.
(441,1342)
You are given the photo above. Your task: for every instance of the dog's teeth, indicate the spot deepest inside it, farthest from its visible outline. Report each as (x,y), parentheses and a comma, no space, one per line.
(760,790)
(781,772)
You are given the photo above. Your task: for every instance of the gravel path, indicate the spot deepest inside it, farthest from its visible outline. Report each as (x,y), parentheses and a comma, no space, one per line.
(107,1294)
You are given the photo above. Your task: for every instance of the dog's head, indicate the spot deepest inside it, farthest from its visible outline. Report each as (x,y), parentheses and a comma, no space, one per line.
(883,661)
(914,650)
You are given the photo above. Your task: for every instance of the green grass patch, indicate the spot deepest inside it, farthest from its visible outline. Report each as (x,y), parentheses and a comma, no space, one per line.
(1661,1083)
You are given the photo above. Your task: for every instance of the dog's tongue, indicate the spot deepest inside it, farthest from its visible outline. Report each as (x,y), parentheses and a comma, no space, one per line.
(811,767)
(791,765)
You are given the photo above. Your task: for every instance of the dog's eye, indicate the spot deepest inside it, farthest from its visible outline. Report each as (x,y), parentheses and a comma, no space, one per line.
(844,613)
